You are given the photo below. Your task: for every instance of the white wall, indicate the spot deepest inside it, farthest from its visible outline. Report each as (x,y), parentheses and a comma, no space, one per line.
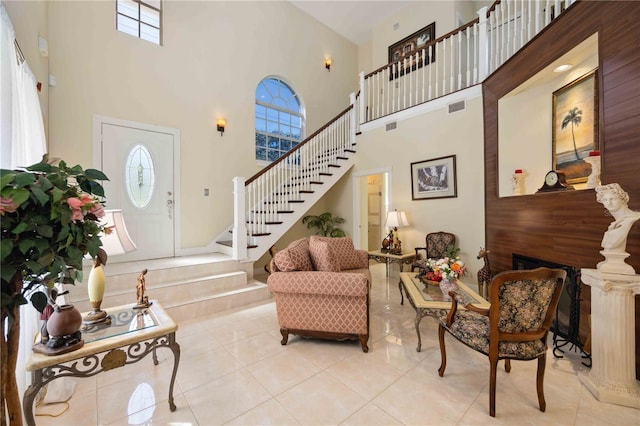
(432,135)
(213,56)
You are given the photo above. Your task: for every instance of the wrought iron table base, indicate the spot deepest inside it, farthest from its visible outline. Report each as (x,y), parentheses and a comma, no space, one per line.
(91,365)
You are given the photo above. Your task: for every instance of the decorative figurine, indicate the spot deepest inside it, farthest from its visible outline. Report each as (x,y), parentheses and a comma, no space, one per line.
(484,275)
(517,182)
(594,178)
(614,241)
(60,332)
(142,299)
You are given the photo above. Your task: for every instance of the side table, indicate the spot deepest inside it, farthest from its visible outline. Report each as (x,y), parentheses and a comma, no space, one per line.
(388,258)
(132,335)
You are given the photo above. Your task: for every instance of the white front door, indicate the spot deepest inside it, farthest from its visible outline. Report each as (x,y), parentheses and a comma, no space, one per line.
(140,166)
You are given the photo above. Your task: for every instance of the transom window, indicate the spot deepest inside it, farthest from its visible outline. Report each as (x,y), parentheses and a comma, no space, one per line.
(279,119)
(140,18)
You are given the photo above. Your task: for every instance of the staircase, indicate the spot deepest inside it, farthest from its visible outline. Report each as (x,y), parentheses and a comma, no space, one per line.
(269,203)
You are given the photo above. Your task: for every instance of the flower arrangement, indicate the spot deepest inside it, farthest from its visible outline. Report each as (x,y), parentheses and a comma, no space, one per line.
(50,221)
(448,268)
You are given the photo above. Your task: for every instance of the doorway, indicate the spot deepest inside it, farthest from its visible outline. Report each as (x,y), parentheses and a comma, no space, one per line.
(141,163)
(371,202)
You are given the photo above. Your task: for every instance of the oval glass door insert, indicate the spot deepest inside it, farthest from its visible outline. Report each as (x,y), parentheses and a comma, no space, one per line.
(140,176)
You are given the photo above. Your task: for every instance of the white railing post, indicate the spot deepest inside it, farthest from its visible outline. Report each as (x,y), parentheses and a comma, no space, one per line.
(239,220)
(363,100)
(483,45)
(353,125)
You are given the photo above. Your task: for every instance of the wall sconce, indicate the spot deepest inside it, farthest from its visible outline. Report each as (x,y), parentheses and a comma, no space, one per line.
(221,124)
(327,64)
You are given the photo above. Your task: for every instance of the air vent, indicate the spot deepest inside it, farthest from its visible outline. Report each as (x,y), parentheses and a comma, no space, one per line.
(456,106)
(392,125)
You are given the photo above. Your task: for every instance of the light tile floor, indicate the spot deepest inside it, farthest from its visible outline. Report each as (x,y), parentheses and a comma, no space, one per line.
(233,370)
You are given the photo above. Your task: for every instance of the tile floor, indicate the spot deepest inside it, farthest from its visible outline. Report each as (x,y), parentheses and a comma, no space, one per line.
(234,371)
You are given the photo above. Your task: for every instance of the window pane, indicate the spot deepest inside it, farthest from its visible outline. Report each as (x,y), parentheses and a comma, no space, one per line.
(273,142)
(128,7)
(285,144)
(272,127)
(285,91)
(261,125)
(293,104)
(273,155)
(150,16)
(261,111)
(272,114)
(149,33)
(279,102)
(295,133)
(296,121)
(272,86)
(285,118)
(261,140)
(127,25)
(261,154)
(262,94)
(153,3)
(285,130)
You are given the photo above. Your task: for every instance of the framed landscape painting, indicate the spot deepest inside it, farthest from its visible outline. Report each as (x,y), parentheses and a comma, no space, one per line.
(575,127)
(435,178)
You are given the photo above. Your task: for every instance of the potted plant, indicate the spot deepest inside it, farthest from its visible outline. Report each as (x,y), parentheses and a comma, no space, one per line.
(325,224)
(50,221)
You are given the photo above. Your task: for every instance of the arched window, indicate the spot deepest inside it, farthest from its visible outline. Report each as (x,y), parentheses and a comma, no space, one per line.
(279,119)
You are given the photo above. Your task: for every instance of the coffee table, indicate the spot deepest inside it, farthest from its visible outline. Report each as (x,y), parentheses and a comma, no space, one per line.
(428,300)
(386,257)
(132,335)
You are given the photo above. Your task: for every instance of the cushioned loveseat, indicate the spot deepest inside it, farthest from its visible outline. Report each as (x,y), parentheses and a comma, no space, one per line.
(321,287)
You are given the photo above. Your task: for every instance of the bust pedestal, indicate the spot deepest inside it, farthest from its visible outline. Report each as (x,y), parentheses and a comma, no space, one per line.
(612,377)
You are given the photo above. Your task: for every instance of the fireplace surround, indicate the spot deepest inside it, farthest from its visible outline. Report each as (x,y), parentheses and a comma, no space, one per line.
(566,324)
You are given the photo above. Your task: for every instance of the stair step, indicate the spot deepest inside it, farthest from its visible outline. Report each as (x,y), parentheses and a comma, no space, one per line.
(267,212)
(290,201)
(325,174)
(267,223)
(263,234)
(334,165)
(229,243)
(353,151)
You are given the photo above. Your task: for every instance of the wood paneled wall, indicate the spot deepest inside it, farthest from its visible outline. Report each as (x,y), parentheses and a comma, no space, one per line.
(567,227)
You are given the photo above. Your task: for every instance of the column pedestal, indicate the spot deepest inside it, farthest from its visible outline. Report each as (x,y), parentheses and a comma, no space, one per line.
(612,377)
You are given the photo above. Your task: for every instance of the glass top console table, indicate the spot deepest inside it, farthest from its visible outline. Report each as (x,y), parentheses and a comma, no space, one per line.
(427,299)
(132,335)
(387,258)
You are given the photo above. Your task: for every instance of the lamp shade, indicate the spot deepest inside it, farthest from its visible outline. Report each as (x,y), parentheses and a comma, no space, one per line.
(118,240)
(396,219)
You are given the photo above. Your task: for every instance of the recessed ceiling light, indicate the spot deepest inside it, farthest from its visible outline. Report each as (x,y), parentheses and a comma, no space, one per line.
(562,68)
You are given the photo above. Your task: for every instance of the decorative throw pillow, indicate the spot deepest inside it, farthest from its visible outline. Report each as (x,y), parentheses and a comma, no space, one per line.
(283,261)
(343,251)
(299,254)
(322,257)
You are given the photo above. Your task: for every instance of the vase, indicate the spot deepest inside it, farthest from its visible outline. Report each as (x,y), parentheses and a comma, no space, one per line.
(446,286)
(64,321)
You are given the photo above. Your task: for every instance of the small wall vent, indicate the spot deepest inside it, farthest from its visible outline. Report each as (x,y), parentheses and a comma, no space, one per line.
(457,106)
(391,126)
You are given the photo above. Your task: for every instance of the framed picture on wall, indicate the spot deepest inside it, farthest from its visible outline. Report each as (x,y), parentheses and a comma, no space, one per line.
(435,178)
(575,127)
(407,47)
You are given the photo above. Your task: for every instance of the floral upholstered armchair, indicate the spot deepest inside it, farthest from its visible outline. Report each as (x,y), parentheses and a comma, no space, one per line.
(515,326)
(321,287)
(437,246)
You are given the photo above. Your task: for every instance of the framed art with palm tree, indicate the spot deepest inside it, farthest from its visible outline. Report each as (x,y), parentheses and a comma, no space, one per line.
(575,127)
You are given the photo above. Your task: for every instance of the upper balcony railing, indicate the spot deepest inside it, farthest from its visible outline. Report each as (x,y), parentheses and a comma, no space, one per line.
(457,60)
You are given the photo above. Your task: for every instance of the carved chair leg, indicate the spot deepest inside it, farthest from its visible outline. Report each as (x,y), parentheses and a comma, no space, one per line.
(507,365)
(364,338)
(285,336)
(492,386)
(542,360)
(443,351)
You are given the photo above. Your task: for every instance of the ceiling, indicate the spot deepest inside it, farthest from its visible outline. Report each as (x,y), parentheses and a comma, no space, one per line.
(352,19)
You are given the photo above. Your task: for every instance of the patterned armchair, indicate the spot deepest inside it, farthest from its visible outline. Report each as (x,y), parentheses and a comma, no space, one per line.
(321,288)
(515,326)
(437,245)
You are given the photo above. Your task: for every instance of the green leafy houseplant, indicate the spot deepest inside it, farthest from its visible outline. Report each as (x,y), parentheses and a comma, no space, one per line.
(50,221)
(325,224)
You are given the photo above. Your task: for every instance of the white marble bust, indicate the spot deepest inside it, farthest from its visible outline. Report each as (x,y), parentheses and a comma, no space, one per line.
(614,241)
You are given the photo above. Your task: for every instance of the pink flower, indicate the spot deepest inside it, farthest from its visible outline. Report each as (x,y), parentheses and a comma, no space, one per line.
(74,203)
(97,210)
(87,200)
(76,214)
(6,205)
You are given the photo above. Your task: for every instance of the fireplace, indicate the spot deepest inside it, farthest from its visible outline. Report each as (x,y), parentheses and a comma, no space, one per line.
(566,323)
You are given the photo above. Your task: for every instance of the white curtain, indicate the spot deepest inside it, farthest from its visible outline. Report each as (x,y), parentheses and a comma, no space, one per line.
(23,139)
(23,143)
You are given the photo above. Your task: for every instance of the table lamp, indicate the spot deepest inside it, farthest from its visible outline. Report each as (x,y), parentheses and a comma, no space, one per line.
(395,219)
(114,242)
